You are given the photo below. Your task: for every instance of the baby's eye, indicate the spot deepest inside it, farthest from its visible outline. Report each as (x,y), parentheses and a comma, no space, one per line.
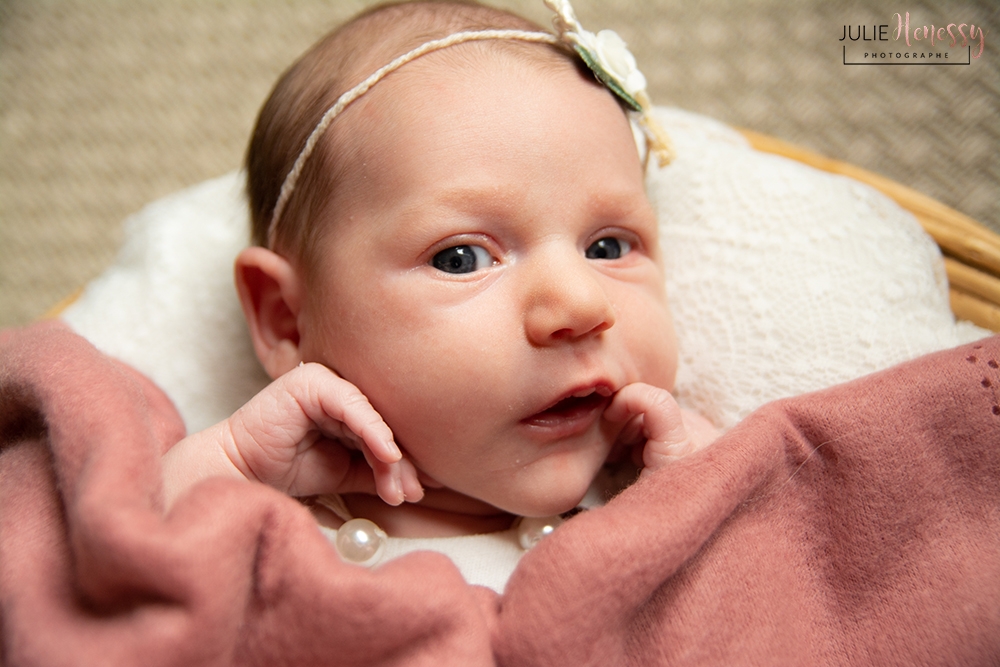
(608,248)
(463,259)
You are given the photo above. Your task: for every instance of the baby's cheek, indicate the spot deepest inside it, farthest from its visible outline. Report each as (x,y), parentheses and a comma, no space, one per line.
(437,429)
(653,343)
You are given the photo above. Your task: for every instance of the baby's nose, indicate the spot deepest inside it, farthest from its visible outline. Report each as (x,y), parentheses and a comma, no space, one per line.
(566,300)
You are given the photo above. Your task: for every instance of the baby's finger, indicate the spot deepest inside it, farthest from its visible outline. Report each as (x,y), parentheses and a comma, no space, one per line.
(395,482)
(662,423)
(413,491)
(329,468)
(388,478)
(334,403)
(662,420)
(629,437)
(343,414)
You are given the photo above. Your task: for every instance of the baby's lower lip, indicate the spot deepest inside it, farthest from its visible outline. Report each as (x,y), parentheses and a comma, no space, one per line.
(568,417)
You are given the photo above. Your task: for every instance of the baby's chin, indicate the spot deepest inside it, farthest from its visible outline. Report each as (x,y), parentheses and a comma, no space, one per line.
(519,503)
(546,497)
(553,485)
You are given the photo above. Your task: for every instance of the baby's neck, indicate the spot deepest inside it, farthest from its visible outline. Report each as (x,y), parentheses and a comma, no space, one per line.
(442,513)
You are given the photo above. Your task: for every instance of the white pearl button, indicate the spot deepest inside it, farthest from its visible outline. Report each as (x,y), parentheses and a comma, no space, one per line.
(531,530)
(361,542)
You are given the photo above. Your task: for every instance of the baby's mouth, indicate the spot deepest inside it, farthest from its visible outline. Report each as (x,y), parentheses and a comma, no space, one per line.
(580,405)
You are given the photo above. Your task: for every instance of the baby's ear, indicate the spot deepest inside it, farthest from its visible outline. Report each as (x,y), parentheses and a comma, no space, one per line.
(270,292)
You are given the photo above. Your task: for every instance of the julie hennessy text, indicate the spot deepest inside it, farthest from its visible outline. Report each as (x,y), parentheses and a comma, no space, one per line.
(937,35)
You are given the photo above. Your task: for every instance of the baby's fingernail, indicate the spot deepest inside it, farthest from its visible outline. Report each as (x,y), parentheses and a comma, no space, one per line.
(396,486)
(393,450)
(415,492)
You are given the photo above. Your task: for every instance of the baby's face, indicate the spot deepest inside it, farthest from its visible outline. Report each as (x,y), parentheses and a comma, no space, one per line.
(493,276)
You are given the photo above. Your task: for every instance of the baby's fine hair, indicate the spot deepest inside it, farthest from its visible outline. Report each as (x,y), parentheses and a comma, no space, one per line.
(332,66)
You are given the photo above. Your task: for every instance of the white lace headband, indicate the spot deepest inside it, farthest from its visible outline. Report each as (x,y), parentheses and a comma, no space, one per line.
(604,53)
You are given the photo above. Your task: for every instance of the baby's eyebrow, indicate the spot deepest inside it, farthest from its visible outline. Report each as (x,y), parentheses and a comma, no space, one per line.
(451,210)
(618,203)
(474,198)
(499,200)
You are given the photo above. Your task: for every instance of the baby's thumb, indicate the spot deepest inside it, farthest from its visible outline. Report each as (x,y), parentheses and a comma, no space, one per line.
(663,427)
(667,437)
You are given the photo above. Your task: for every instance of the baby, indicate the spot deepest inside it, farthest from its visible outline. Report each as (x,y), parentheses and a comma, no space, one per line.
(457,283)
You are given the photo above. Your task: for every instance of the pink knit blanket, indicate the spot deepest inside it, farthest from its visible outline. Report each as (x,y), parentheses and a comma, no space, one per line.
(859,525)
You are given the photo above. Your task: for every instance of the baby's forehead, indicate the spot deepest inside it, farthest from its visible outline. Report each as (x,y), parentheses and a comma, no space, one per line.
(494,112)
(426,86)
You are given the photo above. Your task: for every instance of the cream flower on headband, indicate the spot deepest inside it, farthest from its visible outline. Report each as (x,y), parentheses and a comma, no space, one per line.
(613,64)
(614,58)
(605,53)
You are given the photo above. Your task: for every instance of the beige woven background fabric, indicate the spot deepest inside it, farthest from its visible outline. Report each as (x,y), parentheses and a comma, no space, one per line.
(106,105)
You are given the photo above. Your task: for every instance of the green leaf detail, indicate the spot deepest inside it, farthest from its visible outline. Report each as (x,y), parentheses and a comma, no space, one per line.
(604,77)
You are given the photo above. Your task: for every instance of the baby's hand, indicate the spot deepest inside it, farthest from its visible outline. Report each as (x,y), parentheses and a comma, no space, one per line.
(298,435)
(656,428)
